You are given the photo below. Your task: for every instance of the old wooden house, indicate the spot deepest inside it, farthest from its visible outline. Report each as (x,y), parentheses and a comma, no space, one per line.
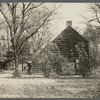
(67,41)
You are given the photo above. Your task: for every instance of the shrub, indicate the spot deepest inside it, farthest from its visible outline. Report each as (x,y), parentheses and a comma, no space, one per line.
(52,59)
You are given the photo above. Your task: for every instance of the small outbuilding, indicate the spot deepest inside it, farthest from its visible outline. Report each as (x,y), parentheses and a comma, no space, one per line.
(3,63)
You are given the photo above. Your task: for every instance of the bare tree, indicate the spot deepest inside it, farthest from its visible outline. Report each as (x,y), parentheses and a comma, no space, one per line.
(94,10)
(40,40)
(24,19)
(92,32)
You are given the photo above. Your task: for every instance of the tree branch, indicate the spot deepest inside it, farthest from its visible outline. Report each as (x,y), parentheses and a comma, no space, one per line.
(36,29)
(6,19)
(27,10)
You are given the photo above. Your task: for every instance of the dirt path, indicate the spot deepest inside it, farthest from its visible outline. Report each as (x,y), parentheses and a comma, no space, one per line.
(46,88)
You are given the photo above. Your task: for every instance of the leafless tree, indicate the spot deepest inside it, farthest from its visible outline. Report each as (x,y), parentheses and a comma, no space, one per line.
(24,19)
(92,32)
(94,10)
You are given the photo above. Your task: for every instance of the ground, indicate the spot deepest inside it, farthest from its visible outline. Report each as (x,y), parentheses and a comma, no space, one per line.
(30,86)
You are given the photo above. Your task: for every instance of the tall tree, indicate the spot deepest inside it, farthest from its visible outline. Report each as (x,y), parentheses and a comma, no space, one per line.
(24,19)
(92,32)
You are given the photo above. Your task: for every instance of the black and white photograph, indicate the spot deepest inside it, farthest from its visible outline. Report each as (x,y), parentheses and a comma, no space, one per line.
(49,50)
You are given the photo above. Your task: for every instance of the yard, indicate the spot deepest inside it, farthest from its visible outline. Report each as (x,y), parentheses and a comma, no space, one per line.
(40,87)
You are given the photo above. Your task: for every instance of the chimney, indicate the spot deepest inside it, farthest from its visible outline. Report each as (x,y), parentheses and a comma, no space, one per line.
(68,23)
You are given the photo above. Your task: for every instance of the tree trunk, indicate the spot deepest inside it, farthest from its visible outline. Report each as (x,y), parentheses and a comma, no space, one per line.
(75,67)
(22,65)
(16,73)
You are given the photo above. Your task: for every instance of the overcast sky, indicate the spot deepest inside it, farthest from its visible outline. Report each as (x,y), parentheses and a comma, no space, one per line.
(69,12)
(73,12)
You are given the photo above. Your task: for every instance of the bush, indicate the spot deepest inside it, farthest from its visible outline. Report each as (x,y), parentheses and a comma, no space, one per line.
(52,59)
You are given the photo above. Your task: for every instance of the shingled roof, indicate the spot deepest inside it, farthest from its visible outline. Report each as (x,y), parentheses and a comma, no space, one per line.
(70,35)
(68,39)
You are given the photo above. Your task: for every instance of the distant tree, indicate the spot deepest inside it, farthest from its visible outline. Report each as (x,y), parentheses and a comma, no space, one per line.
(39,40)
(92,34)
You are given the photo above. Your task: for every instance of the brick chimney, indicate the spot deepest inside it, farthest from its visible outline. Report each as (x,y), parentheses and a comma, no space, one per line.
(68,23)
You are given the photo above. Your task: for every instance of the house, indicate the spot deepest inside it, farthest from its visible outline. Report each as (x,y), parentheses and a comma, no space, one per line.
(67,41)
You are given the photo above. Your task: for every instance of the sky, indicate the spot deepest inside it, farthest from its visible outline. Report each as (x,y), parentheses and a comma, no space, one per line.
(71,12)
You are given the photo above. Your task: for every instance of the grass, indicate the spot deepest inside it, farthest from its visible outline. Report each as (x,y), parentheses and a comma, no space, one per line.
(40,87)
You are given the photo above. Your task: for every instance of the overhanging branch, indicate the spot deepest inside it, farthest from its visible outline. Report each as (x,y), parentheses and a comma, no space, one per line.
(36,29)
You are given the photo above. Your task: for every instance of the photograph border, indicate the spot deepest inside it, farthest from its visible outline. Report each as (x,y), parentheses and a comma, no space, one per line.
(62,1)
(50,1)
